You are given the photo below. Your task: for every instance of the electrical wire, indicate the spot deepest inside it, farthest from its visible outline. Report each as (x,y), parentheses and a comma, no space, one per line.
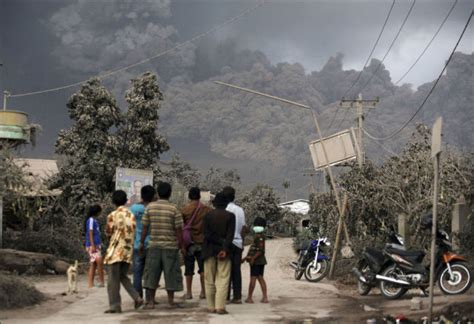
(390,47)
(429,43)
(373,49)
(174,48)
(429,93)
(365,64)
(385,148)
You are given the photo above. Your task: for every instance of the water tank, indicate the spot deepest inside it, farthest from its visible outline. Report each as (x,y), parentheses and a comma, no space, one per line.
(14,126)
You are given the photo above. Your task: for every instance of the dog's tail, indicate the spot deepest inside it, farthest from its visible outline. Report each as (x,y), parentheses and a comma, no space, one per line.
(76,263)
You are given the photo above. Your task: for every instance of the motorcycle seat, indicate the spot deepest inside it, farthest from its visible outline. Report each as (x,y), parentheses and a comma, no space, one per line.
(414,254)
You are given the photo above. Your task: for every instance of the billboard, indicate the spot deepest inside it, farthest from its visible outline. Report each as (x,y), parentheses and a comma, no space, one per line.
(131,181)
(339,148)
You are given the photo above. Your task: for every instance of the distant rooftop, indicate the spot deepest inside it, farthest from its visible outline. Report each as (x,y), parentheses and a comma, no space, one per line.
(299,206)
(39,170)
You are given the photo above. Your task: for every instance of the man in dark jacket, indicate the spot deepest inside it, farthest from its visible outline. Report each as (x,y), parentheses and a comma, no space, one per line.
(218,227)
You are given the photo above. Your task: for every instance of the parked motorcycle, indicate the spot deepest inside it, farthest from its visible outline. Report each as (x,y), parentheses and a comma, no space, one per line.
(312,262)
(373,262)
(404,269)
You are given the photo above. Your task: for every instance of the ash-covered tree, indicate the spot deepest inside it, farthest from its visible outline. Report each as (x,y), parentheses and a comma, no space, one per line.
(260,201)
(403,184)
(103,138)
(217,178)
(89,147)
(181,172)
(140,143)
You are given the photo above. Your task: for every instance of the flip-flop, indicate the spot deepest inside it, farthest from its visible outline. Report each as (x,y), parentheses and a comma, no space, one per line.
(174,306)
(138,303)
(221,311)
(149,306)
(113,311)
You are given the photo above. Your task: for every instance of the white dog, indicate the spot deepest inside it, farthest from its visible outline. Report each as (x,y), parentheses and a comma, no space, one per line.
(72,278)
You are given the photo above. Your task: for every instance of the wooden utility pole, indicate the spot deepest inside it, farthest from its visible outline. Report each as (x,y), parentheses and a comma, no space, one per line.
(359,104)
(328,168)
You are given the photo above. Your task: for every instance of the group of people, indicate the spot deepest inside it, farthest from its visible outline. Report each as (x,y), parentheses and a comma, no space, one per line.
(151,235)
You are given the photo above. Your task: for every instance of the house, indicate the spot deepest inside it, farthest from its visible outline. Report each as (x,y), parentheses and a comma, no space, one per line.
(299,206)
(38,171)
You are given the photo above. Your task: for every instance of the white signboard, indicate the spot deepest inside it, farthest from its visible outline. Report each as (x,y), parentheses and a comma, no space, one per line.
(339,148)
(131,181)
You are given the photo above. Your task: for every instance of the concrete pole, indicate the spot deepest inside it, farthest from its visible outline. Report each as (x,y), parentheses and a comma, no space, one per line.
(360,120)
(459,220)
(1,222)
(433,235)
(6,94)
(403,228)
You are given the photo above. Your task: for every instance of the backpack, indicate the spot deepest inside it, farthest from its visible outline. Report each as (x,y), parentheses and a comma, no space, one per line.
(187,238)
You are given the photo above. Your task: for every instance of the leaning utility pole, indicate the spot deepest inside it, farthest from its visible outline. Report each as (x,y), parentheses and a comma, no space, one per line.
(359,104)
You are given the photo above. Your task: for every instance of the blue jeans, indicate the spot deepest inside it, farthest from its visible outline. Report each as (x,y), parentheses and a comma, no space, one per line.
(138,268)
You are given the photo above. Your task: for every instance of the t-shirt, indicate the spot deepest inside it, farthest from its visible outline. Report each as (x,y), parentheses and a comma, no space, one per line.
(122,223)
(197,234)
(239,223)
(138,210)
(164,219)
(258,246)
(92,224)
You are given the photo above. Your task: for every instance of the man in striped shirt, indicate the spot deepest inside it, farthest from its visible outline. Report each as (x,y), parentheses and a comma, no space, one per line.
(166,240)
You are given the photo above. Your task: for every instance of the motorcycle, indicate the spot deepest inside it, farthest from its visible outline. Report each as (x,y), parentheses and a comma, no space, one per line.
(407,271)
(373,261)
(312,262)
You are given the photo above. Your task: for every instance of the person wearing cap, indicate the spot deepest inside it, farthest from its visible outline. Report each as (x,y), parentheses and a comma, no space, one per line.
(218,229)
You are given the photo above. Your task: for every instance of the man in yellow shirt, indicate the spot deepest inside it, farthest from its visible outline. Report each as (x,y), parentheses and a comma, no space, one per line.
(118,257)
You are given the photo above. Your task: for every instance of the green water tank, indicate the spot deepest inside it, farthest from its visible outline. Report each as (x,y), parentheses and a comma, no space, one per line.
(14,126)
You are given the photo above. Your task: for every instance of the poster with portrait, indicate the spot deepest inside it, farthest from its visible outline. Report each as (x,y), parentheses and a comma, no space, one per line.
(131,181)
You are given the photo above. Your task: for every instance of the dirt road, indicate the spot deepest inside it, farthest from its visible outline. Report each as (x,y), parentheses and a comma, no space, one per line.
(290,301)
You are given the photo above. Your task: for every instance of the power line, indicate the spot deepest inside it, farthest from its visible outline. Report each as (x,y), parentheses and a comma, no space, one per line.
(365,64)
(373,49)
(385,148)
(390,47)
(429,43)
(429,93)
(178,46)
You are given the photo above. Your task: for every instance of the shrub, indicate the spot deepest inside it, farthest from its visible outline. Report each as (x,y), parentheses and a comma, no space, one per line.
(16,292)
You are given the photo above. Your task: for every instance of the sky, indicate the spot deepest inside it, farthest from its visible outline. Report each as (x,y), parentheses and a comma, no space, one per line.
(50,43)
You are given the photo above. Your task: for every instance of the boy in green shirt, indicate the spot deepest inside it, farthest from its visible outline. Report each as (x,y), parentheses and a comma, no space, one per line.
(256,259)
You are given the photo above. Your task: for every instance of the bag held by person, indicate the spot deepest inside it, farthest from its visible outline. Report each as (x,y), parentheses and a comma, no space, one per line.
(187,238)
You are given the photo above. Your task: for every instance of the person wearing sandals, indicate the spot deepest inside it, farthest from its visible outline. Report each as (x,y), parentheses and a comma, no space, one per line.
(93,246)
(256,259)
(147,194)
(166,228)
(121,228)
(193,215)
(218,228)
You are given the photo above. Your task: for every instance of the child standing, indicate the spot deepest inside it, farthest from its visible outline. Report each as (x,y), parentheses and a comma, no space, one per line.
(93,246)
(256,259)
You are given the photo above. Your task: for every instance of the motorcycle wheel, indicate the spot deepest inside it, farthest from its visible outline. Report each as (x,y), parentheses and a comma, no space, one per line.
(363,288)
(459,283)
(316,272)
(388,289)
(298,274)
